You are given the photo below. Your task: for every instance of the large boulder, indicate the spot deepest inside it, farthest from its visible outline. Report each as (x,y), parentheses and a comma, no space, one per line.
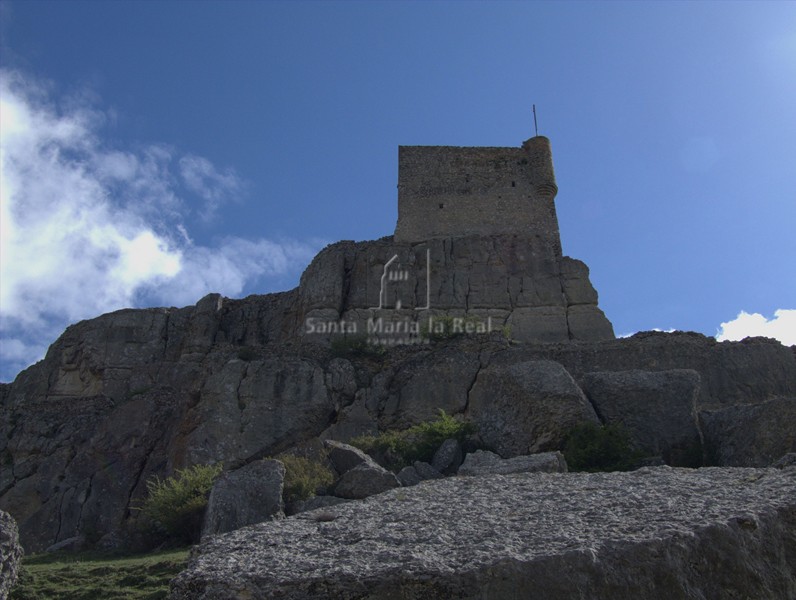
(483,462)
(251,494)
(426,471)
(10,553)
(750,435)
(526,407)
(430,383)
(345,457)
(448,457)
(657,408)
(409,476)
(365,480)
(656,533)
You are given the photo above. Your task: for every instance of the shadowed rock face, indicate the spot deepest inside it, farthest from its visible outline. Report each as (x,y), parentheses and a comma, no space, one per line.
(750,435)
(138,393)
(658,408)
(517,281)
(746,372)
(72,464)
(527,407)
(656,533)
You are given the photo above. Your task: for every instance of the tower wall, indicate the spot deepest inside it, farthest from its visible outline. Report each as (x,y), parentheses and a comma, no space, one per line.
(446,191)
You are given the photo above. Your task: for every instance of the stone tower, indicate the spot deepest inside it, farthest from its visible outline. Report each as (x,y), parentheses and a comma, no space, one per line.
(446,191)
(477,238)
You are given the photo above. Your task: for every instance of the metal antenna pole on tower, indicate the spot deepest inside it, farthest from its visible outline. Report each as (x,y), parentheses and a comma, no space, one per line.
(535,128)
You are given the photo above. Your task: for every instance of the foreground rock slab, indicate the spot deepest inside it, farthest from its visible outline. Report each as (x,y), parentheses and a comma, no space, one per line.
(10,553)
(653,533)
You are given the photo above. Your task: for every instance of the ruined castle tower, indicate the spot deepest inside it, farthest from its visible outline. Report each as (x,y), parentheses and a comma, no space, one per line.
(446,191)
(477,237)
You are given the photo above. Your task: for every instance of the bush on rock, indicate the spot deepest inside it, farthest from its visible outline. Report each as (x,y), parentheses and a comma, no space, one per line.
(303,477)
(398,449)
(176,505)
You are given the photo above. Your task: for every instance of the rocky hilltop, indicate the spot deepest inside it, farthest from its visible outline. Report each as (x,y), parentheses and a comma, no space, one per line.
(508,281)
(134,394)
(138,393)
(524,352)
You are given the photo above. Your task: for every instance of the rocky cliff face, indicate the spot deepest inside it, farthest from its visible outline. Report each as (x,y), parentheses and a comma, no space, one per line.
(138,393)
(111,406)
(657,533)
(515,281)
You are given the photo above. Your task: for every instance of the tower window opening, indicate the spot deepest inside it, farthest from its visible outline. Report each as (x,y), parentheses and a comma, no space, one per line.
(513,184)
(441,205)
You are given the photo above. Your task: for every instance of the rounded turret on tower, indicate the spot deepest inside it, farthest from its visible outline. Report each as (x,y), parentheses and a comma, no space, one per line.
(540,159)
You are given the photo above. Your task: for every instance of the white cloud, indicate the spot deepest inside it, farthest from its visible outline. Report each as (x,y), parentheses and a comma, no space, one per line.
(782,327)
(86,229)
(214,186)
(230,266)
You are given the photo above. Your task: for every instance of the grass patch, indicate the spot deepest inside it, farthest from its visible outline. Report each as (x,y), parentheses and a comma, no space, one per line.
(93,576)
(303,477)
(397,449)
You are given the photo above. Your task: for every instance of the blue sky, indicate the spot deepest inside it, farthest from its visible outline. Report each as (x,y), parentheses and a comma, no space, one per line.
(157,151)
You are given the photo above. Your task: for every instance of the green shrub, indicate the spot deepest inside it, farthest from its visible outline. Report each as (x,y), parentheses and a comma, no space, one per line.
(355,346)
(591,447)
(176,505)
(303,477)
(397,449)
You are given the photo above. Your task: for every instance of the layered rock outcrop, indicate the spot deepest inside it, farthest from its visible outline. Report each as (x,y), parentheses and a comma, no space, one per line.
(657,533)
(499,281)
(73,465)
(138,393)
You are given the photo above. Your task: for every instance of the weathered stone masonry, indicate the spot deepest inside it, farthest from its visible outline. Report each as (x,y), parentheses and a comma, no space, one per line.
(447,191)
(477,237)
